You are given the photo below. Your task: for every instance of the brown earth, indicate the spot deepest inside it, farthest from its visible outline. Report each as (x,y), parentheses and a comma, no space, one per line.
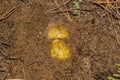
(25,49)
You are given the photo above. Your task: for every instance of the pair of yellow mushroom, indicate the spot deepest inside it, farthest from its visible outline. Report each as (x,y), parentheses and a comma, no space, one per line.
(59,49)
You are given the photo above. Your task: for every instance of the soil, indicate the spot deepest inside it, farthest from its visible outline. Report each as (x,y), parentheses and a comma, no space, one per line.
(25,48)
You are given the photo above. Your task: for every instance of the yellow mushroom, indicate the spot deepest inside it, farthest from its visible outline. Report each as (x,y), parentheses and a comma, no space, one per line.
(60,50)
(57,31)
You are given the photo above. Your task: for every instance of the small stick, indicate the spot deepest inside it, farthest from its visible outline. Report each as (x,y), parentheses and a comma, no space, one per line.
(60,6)
(4,43)
(6,15)
(36,61)
(62,11)
(105,9)
(68,10)
(3,78)
(117,36)
(103,2)
(14,79)
(10,58)
(24,76)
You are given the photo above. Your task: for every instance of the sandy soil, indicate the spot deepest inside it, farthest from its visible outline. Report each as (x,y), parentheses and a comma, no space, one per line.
(25,48)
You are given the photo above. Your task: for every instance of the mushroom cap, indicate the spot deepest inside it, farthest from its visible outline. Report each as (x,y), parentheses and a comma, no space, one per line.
(60,50)
(57,31)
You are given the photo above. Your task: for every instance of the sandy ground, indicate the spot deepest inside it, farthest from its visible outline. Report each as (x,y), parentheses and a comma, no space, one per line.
(26,48)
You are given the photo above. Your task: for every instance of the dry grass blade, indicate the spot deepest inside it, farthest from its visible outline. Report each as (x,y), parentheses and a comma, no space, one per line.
(107,2)
(10,12)
(14,79)
(24,72)
(68,17)
(8,57)
(60,6)
(114,5)
(67,12)
(3,78)
(117,36)
(105,8)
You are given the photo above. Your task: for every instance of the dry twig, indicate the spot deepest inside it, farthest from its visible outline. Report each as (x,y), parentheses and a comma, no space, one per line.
(9,58)
(4,77)
(105,8)
(68,17)
(10,12)
(117,36)
(67,12)
(60,6)
(36,61)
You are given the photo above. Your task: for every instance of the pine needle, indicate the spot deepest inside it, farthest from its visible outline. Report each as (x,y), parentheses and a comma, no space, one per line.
(68,17)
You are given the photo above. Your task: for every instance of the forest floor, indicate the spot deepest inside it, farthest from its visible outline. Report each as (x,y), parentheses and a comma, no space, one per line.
(94,39)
